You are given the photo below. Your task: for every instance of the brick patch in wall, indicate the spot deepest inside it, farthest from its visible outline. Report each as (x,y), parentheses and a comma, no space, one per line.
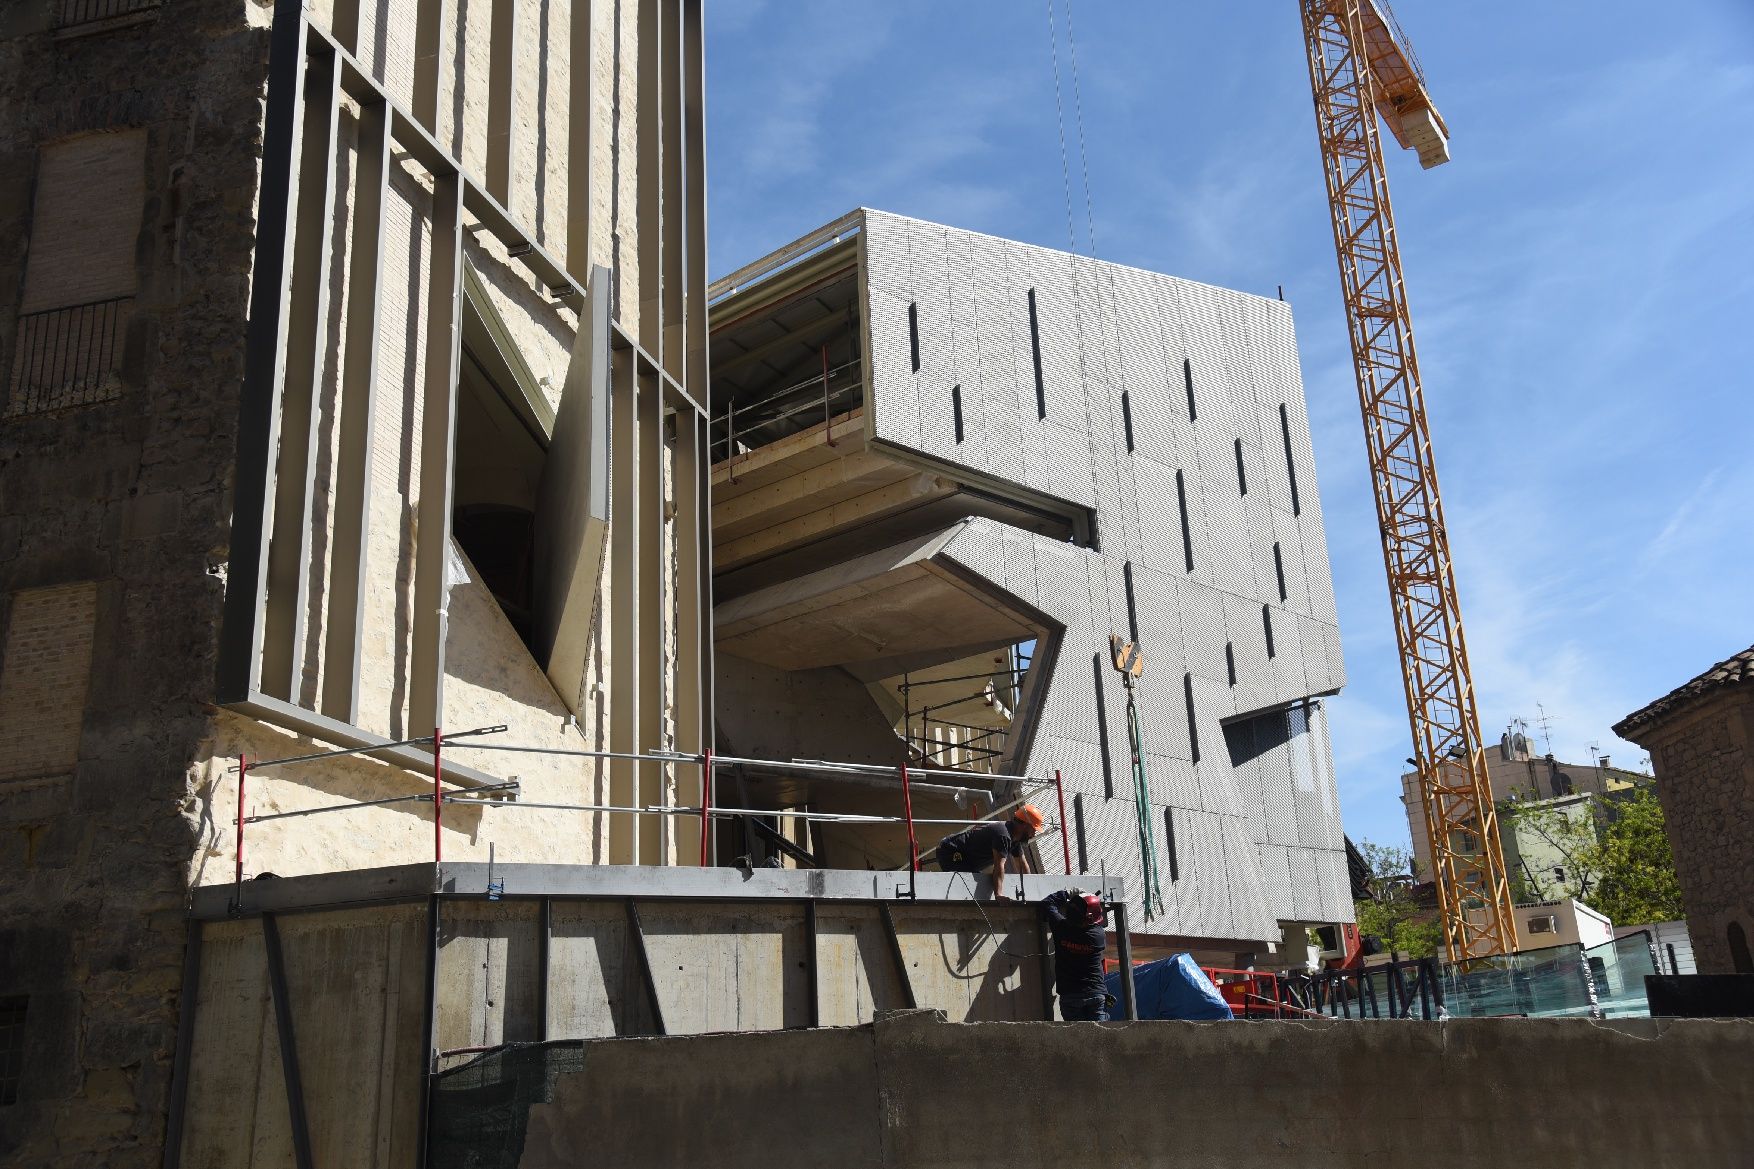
(45,670)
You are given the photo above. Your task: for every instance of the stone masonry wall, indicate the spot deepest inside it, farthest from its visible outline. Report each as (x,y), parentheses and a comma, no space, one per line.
(127,501)
(1704,758)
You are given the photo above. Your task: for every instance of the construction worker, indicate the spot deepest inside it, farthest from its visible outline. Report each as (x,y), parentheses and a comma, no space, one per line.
(1076,920)
(992,842)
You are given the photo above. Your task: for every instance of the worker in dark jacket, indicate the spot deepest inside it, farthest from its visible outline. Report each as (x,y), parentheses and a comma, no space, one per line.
(1076,920)
(994,843)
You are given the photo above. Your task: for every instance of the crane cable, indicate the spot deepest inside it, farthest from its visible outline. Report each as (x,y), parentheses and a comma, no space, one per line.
(1060,122)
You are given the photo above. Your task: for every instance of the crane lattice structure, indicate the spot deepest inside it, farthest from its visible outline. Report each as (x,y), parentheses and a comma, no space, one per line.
(1360,68)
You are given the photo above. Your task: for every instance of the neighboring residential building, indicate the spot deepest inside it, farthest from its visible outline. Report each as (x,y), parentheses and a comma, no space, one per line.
(933,448)
(1701,740)
(1566,922)
(1516,773)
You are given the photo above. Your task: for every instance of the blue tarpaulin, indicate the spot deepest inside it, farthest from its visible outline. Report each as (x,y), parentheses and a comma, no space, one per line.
(1173,988)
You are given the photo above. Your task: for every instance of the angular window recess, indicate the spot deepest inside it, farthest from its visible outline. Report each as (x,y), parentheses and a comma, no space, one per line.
(1041,388)
(1290,463)
(1242,478)
(956,410)
(1181,499)
(1267,628)
(1078,820)
(13,1009)
(1193,729)
(1230,661)
(1132,605)
(1175,869)
(913,333)
(1188,379)
(1127,419)
(1101,666)
(1279,570)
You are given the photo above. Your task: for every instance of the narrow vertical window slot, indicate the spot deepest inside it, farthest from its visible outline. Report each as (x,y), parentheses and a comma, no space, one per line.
(956,417)
(1193,727)
(1242,478)
(913,333)
(1290,463)
(1078,820)
(1175,869)
(1267,628)
(1041,386)
(1127,419)
(1230,661)
(1188,380)
(1100,666)
(1132,605)
(1278,570)
(1181,499)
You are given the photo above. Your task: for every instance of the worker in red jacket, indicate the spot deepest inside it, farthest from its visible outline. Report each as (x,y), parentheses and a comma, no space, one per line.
(994,843)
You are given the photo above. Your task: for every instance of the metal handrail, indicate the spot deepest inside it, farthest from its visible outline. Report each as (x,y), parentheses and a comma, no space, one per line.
(67,356)
(73,13)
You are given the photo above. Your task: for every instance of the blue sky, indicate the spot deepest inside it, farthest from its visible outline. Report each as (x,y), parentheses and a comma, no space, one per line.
(1581,277)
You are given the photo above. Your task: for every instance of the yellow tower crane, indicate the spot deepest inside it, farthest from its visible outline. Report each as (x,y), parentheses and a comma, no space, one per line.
(1360,67)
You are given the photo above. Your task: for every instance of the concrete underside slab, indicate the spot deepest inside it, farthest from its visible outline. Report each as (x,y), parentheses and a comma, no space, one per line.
(916,1092)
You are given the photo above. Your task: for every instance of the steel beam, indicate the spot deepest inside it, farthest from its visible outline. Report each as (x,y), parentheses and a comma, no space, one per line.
(358,412)
(673,214)
(502,80)
(580,169)
(636,937)
(295,1096)
(430,20)
(624,601)
(649,215)
(650,636)
(907,983)
(188,996)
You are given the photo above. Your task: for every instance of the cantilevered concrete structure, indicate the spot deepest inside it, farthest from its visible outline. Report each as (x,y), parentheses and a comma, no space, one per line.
(941,455)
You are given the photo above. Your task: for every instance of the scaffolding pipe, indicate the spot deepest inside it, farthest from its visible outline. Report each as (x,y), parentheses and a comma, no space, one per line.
(238,882)
(266,763)
(1065,837)
(706,805)
(497,787)
(913,844)
(438,801)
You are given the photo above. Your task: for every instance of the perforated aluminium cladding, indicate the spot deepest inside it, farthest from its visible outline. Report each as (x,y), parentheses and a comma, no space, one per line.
(1257,840)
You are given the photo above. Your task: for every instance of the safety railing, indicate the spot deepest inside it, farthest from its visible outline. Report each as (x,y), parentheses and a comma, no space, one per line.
(67,357)
(505,795)
(1409,989)
(796,407)
(73,13)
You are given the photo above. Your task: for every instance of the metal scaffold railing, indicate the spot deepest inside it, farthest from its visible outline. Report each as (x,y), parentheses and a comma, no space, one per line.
(506,794)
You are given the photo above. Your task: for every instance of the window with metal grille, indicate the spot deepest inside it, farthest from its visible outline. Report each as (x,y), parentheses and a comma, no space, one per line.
(77,13)
(1041,387)
(1544,925)
(80,279)
(13,1009)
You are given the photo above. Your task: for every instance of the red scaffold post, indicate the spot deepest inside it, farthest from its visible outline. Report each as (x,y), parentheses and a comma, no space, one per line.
(1065,837)
(238,880)
(913,845)
(706,805)
(438,801)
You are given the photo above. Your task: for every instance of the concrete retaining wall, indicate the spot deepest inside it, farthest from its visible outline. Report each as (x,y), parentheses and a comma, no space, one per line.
(915,1092)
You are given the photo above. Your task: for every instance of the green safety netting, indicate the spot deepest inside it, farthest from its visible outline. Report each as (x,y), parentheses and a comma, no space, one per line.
(481,1109)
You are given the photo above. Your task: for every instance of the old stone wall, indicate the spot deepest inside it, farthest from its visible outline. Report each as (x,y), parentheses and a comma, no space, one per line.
(918,1093)
(125,502)
(1704,759)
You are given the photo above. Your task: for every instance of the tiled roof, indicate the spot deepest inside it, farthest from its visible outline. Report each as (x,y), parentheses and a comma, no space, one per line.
(1735,671)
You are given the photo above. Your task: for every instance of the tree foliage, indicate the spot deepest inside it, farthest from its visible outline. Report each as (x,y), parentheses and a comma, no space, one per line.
(1616,857)
(1394,917)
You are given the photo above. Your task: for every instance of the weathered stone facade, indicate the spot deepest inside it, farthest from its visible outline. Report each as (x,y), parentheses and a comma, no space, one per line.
(1701,741)
(117,511)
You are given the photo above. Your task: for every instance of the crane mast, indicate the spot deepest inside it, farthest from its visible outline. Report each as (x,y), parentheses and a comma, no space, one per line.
(1360,68)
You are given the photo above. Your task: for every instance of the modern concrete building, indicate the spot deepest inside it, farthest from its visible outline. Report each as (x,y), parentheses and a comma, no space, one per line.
(1701,741)
(938,455)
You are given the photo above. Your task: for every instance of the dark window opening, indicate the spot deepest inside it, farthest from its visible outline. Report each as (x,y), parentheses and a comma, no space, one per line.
(1078,820)
(1175,869)
(1740,960)
(1242,478)
(1132,606)
(1193,729)
(1181,499)
(956,409)
(13,1009)
(913,334)
(1041,387)
(499,461)
(1230,661)
(1279,570)
(1100,665)
(1267,628)
(1290,463)
(1188,378)
(1127,419)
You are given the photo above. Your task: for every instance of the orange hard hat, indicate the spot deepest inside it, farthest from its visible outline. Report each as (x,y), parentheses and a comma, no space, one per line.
(1030,817)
